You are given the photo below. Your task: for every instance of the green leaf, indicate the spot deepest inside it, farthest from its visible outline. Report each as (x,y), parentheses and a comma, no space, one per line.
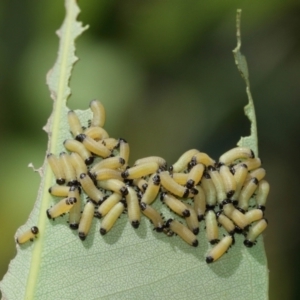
(126,263)
(241,63)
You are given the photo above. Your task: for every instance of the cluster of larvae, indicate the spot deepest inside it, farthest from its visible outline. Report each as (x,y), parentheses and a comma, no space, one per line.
(231,193)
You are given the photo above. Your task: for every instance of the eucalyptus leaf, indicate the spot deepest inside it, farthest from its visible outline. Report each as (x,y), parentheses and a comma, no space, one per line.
(126,263)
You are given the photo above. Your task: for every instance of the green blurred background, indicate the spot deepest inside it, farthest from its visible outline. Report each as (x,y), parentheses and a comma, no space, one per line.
(166,75)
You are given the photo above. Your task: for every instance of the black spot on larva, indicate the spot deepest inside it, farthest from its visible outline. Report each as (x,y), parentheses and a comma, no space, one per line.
(235,203)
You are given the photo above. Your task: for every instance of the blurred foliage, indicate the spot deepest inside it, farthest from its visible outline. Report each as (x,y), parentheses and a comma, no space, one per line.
(165,73)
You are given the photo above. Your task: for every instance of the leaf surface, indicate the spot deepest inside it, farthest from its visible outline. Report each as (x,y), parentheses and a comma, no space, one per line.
(126,263)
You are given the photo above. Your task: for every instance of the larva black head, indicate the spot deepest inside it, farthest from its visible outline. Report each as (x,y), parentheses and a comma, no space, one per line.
(215,241)
(143,206)
(78,138)
(195,230)
(49,154)
(62,153)
(144,186)
(210,207)
(159,229)
(211,168)
(48,214)
(124,191)
(254,180)
(103,231)
(200,217)
(34,230)
(82,235)
(206,175)
(125,174)
(190,183)
(135,224)
(219,165)
(97,214)
(71,200)
(230,194)
(195,243)
(60,181)
(241,210)
(235,202)
(186,213)
(186,193)
(74,226)
(162,196)
(238,230)
(121,140)
(139,194)
(261,207)
(232,232)
(73,182)
(232,170)
(122,161)
(219,213)
(156,179)
(168,223)
(209,259)
(252,154)
(194,191)
(89,160)
(82,175)
(73,188)
(248,243)
(171,169)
